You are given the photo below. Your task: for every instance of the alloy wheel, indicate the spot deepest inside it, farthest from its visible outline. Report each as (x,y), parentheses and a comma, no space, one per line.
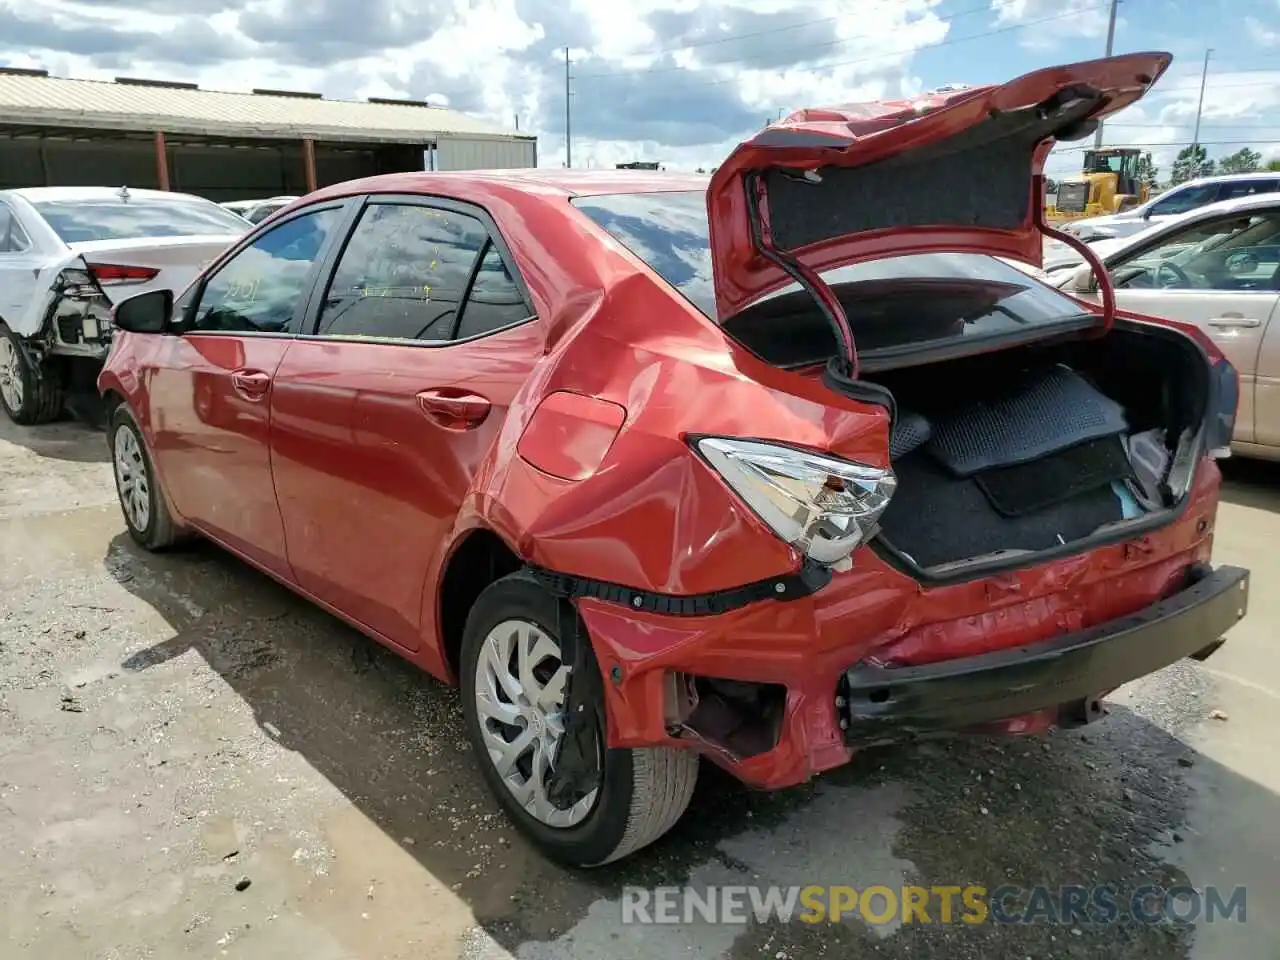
(131,479)
(519,696)
(10,374)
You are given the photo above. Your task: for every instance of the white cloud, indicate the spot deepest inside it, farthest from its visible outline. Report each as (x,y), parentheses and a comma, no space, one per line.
(678,79)
(1261,33)
(1053,20)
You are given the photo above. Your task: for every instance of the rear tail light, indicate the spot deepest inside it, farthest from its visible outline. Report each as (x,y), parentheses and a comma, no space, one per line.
(821,505)
(117,274)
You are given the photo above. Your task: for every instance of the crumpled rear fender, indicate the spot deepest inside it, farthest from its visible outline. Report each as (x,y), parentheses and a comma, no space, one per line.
(593,474)
(31,322)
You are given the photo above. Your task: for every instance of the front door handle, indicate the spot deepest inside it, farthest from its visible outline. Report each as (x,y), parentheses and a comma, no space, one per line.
(1234,320)
(454,409)
(251,384)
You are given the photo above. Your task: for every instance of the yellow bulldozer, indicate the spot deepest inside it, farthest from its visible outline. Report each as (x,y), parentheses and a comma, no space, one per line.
(1109,183)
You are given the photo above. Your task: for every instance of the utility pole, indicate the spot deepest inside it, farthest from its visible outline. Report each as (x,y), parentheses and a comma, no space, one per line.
(1111,39)
(1195,137)
(568,131)
(517,121)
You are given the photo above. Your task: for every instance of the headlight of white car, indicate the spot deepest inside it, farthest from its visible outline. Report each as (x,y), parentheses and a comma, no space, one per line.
(823,506)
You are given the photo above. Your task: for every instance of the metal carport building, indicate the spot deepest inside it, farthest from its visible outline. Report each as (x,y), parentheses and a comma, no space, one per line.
(227,146)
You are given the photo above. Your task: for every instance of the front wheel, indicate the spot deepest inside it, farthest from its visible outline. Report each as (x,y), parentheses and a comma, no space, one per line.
(146,513)
(513,681)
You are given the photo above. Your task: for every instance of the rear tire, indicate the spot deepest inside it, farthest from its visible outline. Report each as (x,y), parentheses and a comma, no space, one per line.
(29,395)
(146,514)
(641,793)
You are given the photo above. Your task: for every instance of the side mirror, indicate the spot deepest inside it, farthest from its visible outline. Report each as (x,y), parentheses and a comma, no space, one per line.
(1083,280)
(144,313)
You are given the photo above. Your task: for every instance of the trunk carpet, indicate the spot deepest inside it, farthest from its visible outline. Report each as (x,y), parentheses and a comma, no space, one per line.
(1047,412)
(937,518)
(1028,487)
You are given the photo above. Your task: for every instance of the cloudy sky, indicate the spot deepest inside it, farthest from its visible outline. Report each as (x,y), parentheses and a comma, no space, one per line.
(679,81)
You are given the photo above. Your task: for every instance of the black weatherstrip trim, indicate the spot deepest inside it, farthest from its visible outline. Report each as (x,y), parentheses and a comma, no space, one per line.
(809,579)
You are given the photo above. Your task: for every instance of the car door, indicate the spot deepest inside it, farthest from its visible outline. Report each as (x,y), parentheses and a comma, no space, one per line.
(19,267)
(1223,275)
(209,385)
(383,410)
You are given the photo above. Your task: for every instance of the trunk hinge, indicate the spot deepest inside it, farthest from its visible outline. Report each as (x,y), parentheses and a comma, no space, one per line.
(1106,291)
(808,279)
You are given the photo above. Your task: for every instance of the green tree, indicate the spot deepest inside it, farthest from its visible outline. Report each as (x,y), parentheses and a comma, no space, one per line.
(1190,163)
(1147,171)
(1273,165)
(1243,160)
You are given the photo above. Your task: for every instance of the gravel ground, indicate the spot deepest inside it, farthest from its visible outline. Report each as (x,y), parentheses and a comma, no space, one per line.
(193,762)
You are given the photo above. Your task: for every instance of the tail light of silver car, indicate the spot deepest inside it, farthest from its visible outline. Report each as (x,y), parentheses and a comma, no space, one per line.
(823,506)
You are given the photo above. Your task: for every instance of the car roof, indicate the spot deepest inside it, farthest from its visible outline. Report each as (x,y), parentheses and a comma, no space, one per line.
(1256,201)
(46,194)
(574,183)
(1229,177)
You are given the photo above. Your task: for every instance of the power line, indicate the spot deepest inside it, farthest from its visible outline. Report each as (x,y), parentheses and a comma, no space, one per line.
(806,47)
(1174,143)
(1176,126)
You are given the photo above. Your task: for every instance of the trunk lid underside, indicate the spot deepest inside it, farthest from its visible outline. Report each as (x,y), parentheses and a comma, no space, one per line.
(958,171)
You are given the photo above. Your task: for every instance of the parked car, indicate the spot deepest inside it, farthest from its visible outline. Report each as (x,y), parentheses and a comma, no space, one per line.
(1186,196)
(66,254)
(1217,267)
(255,211)
(652,484)
(238,207)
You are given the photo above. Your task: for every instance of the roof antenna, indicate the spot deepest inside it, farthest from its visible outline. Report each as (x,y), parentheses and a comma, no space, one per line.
(123,193)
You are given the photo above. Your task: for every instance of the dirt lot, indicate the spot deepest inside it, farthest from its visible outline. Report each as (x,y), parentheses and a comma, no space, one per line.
(172,727)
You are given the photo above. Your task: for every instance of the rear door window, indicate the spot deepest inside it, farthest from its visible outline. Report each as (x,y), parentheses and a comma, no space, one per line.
(260,289)
(494,301)
(404,274)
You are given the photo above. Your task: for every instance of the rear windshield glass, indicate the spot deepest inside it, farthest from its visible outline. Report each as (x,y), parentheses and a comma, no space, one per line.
(942,295)
(80,220)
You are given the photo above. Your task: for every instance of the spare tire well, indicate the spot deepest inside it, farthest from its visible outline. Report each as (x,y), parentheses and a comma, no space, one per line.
(478,561)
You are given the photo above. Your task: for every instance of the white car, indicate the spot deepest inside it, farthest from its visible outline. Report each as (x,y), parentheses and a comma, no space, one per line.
(66,253)
(255,211)
(1217,267)
(1185,196)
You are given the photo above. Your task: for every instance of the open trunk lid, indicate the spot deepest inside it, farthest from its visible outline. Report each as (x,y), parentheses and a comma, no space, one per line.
(956,171)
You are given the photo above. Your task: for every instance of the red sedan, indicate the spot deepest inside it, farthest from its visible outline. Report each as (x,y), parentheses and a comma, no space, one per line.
(763,469)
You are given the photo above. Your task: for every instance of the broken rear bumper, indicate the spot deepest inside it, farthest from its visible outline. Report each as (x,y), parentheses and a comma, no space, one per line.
(878,704)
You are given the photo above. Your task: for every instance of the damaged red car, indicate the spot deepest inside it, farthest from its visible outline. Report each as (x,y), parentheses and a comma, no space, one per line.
(760,470)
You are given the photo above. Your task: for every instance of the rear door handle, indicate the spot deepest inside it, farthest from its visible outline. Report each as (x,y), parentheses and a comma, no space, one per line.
(1234,320)
(251,384)
(453,409)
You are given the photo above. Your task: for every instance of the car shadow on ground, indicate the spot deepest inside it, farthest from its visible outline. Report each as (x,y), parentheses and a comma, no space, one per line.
(69,439)
(1104,805)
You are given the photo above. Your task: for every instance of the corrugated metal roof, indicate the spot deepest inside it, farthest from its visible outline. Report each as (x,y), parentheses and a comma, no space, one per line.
(55,101)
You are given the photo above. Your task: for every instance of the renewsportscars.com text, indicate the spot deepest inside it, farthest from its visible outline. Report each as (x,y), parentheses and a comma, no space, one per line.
(970,904)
